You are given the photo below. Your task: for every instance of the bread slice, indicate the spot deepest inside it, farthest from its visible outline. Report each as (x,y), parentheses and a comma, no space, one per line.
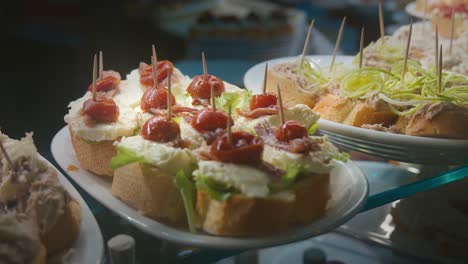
(449,122)
(290,92)
(150,191)
(94,157)
(334,108)
(311,198)
(364,113)
(65,231)
(245,216)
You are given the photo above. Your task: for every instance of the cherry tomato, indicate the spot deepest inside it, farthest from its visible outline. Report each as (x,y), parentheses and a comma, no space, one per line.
(245,148)
(290,130)
(164,67)
(263,101)
(101,110)
(200,87)
(106,84)
(155,98)
(209,120)
(160,129)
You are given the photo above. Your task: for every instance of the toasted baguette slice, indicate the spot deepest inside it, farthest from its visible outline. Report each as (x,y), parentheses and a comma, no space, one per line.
(65,231)
(334,108)
(245,216)
(439,120)
(364,113)
(290,92)
(311,198)
(94,157)
(150,191)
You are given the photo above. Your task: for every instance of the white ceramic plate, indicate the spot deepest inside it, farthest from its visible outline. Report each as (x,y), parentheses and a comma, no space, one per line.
(386,145)
(411,10)
(349,186)
(88,248)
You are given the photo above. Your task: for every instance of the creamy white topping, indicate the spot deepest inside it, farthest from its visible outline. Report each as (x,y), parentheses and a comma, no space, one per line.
(166,158)
(189,133)
(300,112)
(124,126)
(248,180)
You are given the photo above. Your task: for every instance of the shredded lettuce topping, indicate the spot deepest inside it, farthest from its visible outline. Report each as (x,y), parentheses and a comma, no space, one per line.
(405,96)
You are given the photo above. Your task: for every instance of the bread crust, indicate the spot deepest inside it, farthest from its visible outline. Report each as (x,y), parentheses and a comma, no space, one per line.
(448,123)
(290,92)
(150,191)
(364,113)
(94,157)
(311,198)
(245,216)
(334,108)
(65,231)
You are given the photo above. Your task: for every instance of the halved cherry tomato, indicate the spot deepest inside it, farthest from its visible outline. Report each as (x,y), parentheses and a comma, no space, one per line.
(209,120)
(160,129)
(245,148)
(263,101)
(155,98)
(290,130)
(164,67)
(200,87)
(101,110)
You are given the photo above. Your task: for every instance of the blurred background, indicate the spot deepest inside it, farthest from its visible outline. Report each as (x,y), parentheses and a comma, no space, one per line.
(48,44)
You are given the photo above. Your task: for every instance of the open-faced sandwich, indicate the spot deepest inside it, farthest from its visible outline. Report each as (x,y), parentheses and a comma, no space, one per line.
(97,120)
(38,218)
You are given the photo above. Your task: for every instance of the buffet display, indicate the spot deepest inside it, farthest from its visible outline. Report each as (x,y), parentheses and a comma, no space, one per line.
(204,159)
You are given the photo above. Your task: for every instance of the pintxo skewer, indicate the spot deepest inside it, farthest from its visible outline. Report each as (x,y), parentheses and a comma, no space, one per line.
(337,44)
(306,43)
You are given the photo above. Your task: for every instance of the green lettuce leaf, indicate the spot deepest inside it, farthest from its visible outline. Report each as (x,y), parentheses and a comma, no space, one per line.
(312,129)
(237,100)
(124,157)
(188,191)
(217,190)
(294,172)
(342,156)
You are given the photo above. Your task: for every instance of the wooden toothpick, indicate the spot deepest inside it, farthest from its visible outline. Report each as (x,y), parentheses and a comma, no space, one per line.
(229,125)
(381,22)
(6,155)
(337,44)
(452,30)
(306,43)
(407,52)
(280,102)
(154,65)
(436,55)
(101,66)
(265,79)
(439,73)
(361,48)
(169,96)
(94,77)
(205,69)
(425,16)
(213,99)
